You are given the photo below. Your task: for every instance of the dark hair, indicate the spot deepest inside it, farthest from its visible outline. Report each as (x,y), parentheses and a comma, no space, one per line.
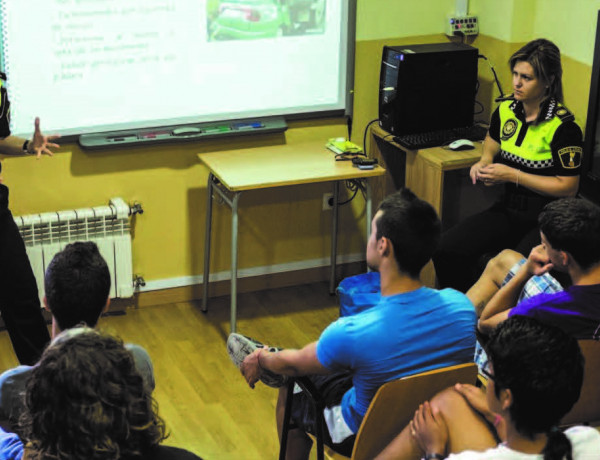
(542,366)
(544,57)
(412,226)
(573,225)
(85,399)
(77,285)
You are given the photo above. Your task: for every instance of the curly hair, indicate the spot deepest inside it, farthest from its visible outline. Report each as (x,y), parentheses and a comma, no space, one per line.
(85,399)
(573,225)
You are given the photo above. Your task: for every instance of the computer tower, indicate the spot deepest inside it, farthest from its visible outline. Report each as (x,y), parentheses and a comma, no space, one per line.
(427,87)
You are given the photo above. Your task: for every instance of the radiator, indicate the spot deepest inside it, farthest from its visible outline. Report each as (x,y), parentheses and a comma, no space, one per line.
(108,226)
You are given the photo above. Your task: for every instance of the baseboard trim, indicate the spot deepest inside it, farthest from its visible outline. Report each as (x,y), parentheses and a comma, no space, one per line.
(249,282)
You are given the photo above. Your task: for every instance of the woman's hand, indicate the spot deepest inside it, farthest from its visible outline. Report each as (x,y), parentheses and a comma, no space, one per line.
(40,144)
(429,429)
(496,173)
(474,173)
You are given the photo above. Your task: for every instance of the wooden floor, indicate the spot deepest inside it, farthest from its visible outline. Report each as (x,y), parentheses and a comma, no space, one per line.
(206,403)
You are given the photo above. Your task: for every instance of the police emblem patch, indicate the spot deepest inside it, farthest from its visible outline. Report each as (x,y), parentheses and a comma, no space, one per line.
(509,128)
(570,157)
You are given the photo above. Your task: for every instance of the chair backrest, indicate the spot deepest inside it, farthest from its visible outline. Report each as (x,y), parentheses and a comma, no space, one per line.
(395,403)
(587,409)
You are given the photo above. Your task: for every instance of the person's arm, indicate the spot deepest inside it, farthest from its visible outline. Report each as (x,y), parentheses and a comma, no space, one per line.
(38,145)
(557,186)
(566,156)
(499,306)
(286,362)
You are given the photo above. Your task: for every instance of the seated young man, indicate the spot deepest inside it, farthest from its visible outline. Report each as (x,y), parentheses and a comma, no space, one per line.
(410,330)
(77,287)
(534,378)
(570,233)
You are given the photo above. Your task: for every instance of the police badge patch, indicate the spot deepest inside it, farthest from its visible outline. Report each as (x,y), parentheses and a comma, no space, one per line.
(570,157)
(509,128)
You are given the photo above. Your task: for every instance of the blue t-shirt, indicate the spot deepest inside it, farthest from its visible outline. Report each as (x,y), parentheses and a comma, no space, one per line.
(402,335)
(574,310)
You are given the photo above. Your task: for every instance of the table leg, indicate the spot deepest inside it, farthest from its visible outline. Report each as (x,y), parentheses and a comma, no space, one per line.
(334,227)
(205,276)
(234,259)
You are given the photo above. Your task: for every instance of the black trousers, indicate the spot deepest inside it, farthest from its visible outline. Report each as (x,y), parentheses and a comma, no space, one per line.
(19,301)
(460,258)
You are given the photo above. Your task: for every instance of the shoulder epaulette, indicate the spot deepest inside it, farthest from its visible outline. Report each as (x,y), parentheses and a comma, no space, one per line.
(564,114)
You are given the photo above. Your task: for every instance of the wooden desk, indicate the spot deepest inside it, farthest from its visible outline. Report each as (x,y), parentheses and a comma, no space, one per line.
(274,166)
(424,173)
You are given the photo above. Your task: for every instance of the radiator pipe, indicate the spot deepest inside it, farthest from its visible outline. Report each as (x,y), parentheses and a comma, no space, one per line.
(136,208)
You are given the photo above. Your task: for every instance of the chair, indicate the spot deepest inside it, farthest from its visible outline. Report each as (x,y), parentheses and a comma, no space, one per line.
(587,409)
(393,407)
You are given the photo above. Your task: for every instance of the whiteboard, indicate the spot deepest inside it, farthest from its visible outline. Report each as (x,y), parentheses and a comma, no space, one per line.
(86,66)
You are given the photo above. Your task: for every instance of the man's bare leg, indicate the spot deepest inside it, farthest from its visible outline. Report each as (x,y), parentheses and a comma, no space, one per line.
(491,279)
(467,430)
(298,442)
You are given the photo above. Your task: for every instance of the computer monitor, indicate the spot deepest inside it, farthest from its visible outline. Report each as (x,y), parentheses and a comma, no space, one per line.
(427,87)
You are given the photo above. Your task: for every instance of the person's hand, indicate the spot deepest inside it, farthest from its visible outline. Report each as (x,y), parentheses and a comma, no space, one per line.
(496,173)
(474,172)
(475,397)
(429,429)
(250,367)
(538,261)
(39,143)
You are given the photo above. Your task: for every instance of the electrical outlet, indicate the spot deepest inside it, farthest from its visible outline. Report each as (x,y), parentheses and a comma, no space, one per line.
(327,201)
(462,25)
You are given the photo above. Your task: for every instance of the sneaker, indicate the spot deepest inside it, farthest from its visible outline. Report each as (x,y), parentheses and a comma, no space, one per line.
(239,346)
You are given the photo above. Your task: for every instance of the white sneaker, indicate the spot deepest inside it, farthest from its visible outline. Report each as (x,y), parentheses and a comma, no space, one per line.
(239,346)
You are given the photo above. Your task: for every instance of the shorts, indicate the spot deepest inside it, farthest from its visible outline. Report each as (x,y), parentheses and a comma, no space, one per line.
(332,387)
(545,284)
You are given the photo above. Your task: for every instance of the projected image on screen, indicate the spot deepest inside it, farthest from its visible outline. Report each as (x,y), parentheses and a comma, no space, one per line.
(104,65)
(252,19)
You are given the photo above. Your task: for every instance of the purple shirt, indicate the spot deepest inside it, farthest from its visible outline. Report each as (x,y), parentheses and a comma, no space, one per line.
(576,310)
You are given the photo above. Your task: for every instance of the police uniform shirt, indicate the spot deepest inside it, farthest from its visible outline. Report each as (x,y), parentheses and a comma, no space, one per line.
(548,146)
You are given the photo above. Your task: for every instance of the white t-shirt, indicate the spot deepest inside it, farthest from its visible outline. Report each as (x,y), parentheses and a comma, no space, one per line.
(585,442)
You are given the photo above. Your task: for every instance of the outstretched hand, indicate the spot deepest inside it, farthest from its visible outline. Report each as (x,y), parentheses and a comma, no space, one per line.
(429,429)
(41,144)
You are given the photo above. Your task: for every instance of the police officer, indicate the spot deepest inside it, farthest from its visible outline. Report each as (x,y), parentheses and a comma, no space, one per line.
(533,148)
(19,301)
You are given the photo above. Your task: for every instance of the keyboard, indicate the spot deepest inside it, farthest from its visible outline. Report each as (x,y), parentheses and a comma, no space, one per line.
(439,138)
